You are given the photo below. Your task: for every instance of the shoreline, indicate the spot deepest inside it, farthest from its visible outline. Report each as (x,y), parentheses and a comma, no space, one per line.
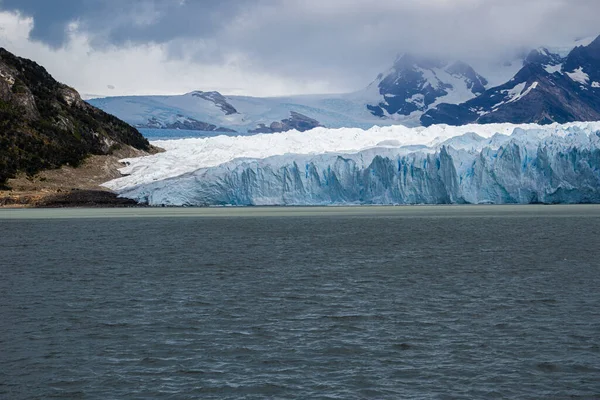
(72,198)
(67,186)
(403,211)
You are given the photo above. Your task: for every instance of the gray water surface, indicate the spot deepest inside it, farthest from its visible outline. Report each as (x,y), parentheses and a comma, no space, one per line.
(295,303)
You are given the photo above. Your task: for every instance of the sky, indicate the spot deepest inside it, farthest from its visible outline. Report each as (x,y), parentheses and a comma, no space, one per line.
(271,47)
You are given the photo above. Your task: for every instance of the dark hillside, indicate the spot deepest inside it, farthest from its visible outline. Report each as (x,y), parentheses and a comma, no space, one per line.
(44,124)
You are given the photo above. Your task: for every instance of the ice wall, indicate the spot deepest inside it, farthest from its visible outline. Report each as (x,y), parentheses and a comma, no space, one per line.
(478,164)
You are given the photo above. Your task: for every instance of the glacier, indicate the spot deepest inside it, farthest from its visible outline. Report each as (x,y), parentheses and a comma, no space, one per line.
(471,164)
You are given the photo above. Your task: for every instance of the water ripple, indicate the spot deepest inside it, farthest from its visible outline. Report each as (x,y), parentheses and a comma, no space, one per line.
(306,307)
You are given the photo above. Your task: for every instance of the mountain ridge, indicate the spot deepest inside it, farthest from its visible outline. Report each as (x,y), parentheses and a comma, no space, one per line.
(414,91)
(549,88)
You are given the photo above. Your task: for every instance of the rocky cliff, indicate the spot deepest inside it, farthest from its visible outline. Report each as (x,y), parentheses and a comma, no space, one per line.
(44,124)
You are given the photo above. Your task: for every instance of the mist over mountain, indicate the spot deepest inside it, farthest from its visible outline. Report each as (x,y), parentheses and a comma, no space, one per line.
(545,85)
(276,48)
(549,88)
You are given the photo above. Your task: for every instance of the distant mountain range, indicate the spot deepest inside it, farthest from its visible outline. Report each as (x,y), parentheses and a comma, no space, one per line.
(547,85)
(549,88)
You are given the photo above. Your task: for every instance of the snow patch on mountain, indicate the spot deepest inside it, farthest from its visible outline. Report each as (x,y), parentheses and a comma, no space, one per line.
(579,76)
(551,69)
(513,95)
(518,96)
(459,91)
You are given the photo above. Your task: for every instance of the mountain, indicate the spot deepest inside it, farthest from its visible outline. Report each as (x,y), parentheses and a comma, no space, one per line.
(211,111)
(494,163)
(549,88)
(45,124)
(414,85)
(544,85)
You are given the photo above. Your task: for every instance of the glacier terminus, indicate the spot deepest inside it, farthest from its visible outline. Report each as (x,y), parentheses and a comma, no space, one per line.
(440,164)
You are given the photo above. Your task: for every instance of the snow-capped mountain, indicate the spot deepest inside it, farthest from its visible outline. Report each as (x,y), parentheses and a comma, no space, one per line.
(411,87)
(414,85)
(494,163)
(549,88)
(553,84)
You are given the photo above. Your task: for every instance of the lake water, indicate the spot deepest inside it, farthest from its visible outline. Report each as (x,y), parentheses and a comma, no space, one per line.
(454,302)
(168,134)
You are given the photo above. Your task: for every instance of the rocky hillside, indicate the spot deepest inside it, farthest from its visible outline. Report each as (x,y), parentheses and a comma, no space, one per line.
(44,124)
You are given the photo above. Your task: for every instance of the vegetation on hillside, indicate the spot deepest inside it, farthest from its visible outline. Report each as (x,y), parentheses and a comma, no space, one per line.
(45,124)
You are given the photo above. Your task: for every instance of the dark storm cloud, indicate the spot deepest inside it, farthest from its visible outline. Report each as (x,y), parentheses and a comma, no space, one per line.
(51,17)
(119,21)
(341,40)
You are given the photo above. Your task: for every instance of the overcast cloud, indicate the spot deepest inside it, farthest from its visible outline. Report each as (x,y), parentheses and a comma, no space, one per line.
(270,47)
